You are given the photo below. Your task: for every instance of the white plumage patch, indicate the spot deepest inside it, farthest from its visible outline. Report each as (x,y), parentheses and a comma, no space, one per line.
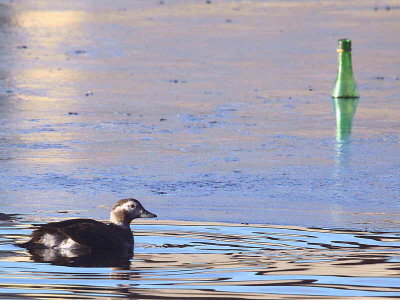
(69,244)
(51,240)
(126,206)
(59,242)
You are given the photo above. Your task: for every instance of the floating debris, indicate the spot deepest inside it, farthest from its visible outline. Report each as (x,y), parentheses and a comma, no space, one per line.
(177,81)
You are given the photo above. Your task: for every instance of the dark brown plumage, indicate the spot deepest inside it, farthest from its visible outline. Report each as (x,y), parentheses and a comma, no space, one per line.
(90,234)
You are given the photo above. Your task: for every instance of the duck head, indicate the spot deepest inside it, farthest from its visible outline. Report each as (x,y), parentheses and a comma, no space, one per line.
(125,210)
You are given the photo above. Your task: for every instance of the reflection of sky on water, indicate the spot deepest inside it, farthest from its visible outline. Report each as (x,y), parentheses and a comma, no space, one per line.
(302,261)
(214,112)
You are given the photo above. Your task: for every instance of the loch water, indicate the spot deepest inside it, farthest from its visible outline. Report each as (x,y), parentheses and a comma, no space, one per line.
(217,116)
(180,260)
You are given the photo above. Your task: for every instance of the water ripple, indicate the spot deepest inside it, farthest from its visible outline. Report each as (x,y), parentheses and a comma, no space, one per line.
(212,260)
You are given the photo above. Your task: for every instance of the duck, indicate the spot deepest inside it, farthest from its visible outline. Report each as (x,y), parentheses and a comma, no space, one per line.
(89,234)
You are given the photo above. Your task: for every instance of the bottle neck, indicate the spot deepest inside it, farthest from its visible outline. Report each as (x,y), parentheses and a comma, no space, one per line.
(345,65)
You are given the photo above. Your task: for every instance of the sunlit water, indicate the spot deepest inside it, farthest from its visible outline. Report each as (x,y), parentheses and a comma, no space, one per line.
(215,111)
(176,260)
(207,111)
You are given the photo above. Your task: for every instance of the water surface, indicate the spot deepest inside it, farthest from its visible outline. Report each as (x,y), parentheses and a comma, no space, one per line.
(177,260)
(210,112)
(206,111)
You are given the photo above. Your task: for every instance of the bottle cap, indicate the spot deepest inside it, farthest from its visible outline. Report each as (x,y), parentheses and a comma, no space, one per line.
(344,45)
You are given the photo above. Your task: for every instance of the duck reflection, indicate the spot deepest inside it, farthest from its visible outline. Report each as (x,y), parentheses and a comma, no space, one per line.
(8,217)
(79,258)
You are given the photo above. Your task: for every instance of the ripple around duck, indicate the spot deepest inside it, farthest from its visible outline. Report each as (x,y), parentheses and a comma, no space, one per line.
(210,260)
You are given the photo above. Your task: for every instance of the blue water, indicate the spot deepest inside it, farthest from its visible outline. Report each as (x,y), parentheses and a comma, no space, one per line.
(214,261)
(206,112)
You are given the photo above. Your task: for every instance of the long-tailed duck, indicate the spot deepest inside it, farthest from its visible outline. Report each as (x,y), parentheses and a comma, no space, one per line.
(88,234)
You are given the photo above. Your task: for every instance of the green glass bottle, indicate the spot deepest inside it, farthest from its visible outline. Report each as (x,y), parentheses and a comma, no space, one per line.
(345,85)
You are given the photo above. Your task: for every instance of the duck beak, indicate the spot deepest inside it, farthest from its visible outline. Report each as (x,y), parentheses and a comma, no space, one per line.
(147,214)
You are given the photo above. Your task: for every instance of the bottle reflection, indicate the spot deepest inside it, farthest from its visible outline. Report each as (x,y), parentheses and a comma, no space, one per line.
(344,110)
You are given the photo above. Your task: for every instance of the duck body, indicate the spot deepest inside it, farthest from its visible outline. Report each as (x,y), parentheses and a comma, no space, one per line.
(89,234)
(81,234)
